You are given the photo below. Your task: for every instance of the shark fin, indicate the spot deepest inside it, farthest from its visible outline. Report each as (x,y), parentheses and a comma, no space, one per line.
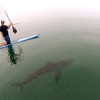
(57,75)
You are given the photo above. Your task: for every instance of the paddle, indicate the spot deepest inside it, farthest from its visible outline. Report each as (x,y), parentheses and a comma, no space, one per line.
(14,29)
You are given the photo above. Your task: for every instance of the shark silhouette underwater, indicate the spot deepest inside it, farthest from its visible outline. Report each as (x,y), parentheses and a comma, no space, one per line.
(49,67)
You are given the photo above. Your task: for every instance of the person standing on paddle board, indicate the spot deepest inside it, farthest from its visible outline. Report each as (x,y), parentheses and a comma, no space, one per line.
(4,32)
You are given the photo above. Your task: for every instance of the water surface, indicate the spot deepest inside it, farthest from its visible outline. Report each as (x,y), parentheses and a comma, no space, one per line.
(60,39)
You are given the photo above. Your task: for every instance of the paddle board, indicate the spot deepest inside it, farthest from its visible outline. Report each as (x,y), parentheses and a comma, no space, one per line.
(21,40)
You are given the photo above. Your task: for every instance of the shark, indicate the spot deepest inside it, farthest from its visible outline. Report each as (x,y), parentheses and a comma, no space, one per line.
(49,67)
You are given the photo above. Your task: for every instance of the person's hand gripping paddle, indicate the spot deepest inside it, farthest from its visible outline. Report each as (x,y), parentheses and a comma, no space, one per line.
(13,28)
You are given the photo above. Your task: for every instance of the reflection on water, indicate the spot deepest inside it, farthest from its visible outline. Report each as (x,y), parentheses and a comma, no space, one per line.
(13,57)
(49,67)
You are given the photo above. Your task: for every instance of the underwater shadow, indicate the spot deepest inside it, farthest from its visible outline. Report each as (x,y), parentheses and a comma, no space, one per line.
(49,67)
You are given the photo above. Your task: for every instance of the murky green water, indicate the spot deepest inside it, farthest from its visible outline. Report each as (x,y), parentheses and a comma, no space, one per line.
(59,40)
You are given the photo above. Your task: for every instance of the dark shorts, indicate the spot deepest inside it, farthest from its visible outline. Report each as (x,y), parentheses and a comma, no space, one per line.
(7,39)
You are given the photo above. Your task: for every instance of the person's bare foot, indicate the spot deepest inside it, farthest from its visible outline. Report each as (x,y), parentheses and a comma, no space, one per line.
(2,44)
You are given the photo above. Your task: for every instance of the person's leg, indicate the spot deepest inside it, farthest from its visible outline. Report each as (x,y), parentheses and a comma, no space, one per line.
(7,39)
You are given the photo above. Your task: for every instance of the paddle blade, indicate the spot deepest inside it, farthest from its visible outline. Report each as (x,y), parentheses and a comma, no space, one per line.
(14,30)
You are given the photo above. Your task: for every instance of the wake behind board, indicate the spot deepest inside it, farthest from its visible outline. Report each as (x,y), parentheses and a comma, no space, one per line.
(21,40)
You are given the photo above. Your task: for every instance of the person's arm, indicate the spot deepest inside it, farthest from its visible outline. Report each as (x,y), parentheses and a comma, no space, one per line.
(9,25)
(2,36)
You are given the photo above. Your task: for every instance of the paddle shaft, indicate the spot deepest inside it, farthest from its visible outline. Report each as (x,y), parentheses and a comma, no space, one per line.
(14,29)
(8,18)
